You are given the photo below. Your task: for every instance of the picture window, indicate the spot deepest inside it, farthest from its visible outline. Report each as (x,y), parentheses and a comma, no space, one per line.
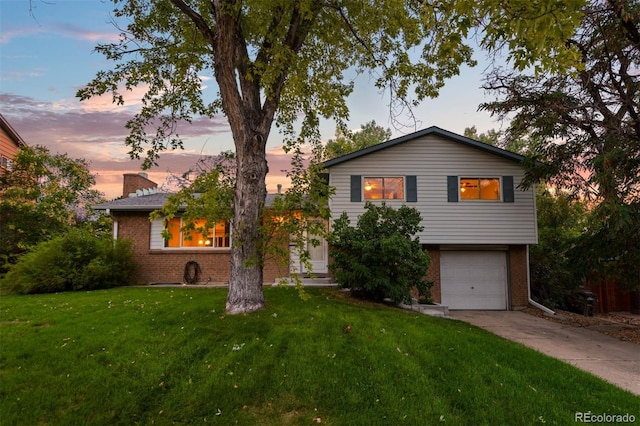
(199,237)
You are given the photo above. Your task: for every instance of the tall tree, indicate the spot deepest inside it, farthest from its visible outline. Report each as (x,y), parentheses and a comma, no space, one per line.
(492,137)
(347,141)
(497,138)
(42,196)
(587,124)
(277,60)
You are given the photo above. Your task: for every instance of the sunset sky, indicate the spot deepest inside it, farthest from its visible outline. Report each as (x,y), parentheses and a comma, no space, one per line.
(46,55)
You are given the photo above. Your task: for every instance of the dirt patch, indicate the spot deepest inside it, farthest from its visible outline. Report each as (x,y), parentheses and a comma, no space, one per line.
(620,326)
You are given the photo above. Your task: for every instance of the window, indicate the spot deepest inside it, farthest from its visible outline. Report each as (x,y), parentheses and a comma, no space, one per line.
(217,236)
(384,188)
(480,189)
(4,162)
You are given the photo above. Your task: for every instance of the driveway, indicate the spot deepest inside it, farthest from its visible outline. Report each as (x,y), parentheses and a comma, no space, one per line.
(613,360)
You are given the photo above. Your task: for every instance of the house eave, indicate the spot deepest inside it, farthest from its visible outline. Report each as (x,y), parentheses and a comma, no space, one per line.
(126,209)
(13,134)
(431,131)
(143,204)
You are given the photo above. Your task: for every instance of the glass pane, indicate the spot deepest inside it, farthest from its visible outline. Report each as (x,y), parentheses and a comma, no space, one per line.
(173,226)
(315,252)
(195,238)
(373,188)
(394,188)
(489,189)
(318,252)
(221,234)
(469,189)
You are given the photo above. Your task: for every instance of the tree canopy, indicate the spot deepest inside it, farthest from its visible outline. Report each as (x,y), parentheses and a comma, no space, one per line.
(42,196)
(586,127)
(287,62)
(587,120)
(347,141)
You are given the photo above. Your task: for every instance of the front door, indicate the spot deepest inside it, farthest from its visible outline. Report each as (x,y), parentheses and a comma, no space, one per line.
(318,257)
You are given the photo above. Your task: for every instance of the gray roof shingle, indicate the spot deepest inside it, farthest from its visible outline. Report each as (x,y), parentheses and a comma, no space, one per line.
(149,203)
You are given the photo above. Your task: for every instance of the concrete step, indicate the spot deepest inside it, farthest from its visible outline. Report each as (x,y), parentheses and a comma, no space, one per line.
(318,281)
(431,310)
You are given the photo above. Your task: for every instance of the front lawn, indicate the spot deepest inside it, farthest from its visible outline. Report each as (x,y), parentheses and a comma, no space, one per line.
(171,356)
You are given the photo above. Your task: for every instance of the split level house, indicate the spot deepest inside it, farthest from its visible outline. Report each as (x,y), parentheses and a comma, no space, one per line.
(478,222)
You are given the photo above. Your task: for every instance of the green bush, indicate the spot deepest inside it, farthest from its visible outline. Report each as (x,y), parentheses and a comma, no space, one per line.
(74,261)
(561,220)
(381,257)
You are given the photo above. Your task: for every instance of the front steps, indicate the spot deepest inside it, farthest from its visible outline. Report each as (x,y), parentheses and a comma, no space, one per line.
(318,280)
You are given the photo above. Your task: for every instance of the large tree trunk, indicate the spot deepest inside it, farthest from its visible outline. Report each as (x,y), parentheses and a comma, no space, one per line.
(250,120)
(245,280)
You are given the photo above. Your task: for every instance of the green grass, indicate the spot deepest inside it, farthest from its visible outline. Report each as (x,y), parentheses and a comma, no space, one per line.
(171,356)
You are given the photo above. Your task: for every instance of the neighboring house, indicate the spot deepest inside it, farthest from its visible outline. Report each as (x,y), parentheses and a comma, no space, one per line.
(477,222)
(10,144)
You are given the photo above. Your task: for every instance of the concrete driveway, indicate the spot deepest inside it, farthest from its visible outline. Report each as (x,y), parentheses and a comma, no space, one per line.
(613,360)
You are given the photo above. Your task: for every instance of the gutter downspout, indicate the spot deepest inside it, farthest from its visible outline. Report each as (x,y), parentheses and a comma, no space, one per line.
(531,301)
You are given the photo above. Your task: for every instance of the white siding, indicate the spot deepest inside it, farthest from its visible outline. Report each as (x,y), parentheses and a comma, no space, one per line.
(156,240)
(432,159)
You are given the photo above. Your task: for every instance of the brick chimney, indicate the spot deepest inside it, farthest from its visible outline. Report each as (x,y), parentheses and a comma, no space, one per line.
(136,181)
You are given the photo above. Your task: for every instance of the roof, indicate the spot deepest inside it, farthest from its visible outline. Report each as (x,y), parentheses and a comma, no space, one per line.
(142,203)
(4,124)
(148,203)
(431,131)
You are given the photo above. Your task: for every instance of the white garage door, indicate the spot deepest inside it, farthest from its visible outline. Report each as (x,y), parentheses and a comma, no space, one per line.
(473,279)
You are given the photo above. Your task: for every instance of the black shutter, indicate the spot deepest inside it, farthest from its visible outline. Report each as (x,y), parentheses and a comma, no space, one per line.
(452,189)
(412,189)
(356,188)
(508,195)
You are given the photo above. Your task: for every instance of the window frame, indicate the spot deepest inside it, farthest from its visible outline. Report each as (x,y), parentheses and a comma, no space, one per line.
(213,237)
(480,199)
(364,188)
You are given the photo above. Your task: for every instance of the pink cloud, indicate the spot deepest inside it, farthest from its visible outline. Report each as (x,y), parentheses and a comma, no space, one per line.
(80,33)
(7,35)
(98,137)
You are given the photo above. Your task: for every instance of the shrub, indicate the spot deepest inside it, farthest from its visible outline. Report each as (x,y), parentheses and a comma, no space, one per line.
(380,257)
(561,220)
(76,260)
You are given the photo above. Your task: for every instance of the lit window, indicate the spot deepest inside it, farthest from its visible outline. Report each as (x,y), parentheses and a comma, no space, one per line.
(479,189)
(383,188)
(216,237)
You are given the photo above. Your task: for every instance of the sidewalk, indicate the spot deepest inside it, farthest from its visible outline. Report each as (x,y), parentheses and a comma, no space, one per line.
(613,360)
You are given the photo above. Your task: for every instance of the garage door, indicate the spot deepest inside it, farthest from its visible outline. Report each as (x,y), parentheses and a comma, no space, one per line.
(473,279)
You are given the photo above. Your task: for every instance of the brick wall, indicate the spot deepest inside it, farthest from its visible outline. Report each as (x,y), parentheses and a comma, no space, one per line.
(433,273)
(518,276)
(163,266)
